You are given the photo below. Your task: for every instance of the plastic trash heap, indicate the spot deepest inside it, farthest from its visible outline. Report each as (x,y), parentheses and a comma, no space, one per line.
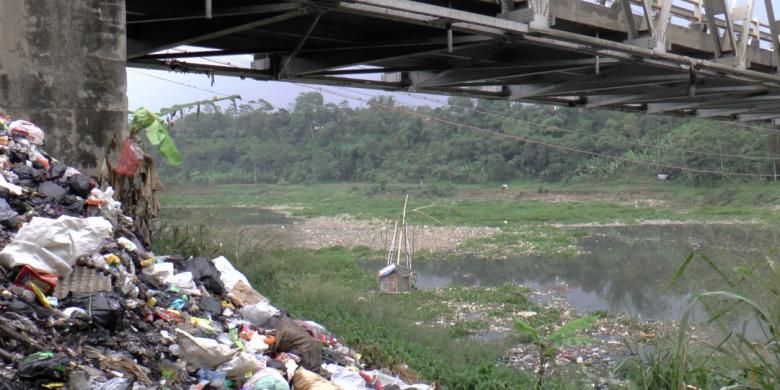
(83,305)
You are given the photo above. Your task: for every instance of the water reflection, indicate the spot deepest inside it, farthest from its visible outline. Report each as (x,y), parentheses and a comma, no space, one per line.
(622,269)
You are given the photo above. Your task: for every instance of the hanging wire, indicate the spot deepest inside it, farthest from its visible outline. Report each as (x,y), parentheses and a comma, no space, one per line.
(533,141)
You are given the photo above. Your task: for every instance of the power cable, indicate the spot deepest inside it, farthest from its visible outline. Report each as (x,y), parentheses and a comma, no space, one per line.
(179,83)
(635,143)
(535,141)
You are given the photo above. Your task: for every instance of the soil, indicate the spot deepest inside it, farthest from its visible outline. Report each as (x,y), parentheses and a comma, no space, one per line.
(323,232)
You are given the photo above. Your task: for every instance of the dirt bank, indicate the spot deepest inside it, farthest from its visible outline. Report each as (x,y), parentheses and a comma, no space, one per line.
(324,232)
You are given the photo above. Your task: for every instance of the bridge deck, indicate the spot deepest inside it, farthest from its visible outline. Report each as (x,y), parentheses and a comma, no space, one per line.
(658,56)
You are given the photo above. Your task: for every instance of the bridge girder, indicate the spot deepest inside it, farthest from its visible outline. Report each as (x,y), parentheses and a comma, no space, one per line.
(615,54)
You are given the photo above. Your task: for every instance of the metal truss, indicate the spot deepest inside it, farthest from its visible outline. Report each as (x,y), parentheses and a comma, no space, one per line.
(699,58)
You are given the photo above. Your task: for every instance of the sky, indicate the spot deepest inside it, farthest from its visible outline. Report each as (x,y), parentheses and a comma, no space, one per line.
(158,89)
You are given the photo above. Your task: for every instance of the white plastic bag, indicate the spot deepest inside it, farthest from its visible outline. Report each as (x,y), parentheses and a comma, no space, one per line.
(239,366)
(346,379)
(53,245)
(228,274)
(267,379)
(259,313)
(159,271)
(256,344)
(202,352)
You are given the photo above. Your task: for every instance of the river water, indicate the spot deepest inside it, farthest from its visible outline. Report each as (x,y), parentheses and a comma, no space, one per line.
(625,269)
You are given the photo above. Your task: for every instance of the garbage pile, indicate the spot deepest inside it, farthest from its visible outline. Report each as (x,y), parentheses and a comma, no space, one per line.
(83,305)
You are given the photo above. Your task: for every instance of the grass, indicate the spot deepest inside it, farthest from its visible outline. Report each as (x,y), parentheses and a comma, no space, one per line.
(400,331)
(472,205)
(735,359)
(529,222)
(393,331)
(529,240)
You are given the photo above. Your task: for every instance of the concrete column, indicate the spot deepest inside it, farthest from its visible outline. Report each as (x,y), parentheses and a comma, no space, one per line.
(62,67)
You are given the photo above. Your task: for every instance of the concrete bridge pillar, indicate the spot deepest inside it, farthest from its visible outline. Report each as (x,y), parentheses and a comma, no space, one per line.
(62,67)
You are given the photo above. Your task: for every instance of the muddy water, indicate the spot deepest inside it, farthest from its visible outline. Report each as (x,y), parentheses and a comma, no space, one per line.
(621,269)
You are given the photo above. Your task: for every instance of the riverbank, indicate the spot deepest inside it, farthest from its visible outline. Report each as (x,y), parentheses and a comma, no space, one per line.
(305,247)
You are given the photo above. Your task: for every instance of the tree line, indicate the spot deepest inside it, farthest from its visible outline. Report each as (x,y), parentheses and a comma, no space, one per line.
(497,140)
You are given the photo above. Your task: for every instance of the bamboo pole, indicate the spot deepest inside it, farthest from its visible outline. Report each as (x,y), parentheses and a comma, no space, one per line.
(403,224)
(392,244)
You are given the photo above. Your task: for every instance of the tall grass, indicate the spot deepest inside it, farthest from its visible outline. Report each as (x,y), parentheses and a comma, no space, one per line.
(735,358)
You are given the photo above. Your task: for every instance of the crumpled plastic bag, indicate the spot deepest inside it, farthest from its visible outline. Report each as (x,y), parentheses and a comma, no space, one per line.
(202,352)
(12,188)
(27,130)
(46,365)
(6,212)
(183,281)
(345,378)
(53,245)
(259,313)
(239,366)
(130,159)
(267,379)
(102,308)
(115,384)
(159,271)
(204,272)
(228,274)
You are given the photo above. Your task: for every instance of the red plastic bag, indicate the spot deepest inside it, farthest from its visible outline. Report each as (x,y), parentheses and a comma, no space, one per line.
(130,159)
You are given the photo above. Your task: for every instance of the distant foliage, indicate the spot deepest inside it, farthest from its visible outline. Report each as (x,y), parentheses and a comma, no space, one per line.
(317,141)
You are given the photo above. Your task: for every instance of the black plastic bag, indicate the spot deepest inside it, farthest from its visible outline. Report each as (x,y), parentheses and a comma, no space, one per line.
(204,272)
(57,170)
(51,191)
(25,172)
(6,212)
(44,365)
(104,308)
(210,305)
(9,385)
(80,185)
(72,205)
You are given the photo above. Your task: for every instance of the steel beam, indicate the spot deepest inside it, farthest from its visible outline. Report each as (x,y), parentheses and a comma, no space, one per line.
(220,13)
(301,42)
(754,117)
(744,35)
(774,27)
(662,25)
(468,74)
(715,8)
(628,15)
(443,14)
(136,49)
(315,64)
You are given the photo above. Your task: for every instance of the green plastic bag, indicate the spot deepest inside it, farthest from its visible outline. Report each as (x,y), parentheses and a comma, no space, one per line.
(155,130)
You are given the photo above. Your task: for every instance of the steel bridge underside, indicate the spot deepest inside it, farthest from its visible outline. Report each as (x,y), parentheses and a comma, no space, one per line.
(679,57)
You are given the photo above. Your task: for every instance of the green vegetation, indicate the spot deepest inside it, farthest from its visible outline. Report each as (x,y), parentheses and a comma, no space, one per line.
(548,345)
(737,359)
(397,331)
(319,159)
(315,141)
(473,205)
